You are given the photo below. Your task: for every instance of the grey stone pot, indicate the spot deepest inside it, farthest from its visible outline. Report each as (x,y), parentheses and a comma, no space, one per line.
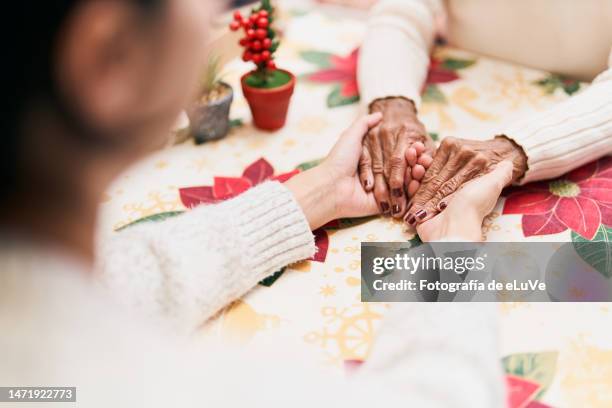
(211,121)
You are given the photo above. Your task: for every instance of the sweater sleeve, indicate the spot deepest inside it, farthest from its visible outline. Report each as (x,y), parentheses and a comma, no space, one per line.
(570,134)
(189,267)
(394,56)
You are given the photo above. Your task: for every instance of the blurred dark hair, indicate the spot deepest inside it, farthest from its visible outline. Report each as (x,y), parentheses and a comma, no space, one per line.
(29,74)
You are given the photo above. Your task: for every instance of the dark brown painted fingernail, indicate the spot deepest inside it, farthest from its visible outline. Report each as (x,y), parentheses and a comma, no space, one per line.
(397,192)
(411,220)
(385,207)
(421,214)
(443,205)
(396,209)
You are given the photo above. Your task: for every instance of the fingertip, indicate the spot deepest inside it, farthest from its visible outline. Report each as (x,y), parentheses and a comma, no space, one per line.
(419,147)
(425,160)
(411,156)
(418,171)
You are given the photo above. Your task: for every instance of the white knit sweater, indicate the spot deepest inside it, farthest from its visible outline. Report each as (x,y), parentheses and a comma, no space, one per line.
(61,327)
(566,37)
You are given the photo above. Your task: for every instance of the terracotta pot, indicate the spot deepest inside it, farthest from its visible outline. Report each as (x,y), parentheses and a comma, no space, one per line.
(269,106)
(210,121)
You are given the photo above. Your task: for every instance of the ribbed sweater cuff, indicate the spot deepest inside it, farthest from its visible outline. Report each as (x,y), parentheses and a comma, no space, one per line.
(567,136)
(271,227)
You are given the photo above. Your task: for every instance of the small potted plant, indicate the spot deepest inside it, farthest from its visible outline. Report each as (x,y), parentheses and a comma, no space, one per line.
(209,113)
(267,89)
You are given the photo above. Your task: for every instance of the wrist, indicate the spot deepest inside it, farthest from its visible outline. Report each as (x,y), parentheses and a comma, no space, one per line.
(315,194)
(396,104)
(516,155)
(465,226)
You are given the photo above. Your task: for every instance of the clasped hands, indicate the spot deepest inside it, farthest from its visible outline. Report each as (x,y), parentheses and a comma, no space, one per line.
(412,180)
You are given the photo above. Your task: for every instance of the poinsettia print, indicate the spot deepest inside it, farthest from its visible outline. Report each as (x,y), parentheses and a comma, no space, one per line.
(341,72)
(225,188)
(580,201)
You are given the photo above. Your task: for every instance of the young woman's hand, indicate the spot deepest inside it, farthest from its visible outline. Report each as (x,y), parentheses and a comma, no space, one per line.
(461,214)
(332,189)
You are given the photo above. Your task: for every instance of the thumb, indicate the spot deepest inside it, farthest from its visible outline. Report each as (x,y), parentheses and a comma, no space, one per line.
(360,128)
(501,176)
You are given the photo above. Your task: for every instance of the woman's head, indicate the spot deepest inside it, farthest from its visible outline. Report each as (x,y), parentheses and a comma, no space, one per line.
(93,84)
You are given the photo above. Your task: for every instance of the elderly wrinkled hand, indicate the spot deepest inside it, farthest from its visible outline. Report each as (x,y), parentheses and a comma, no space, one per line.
(456,162)
(396,155)
(463,212)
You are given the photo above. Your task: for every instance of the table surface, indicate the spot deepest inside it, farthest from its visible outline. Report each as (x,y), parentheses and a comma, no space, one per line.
(565,348)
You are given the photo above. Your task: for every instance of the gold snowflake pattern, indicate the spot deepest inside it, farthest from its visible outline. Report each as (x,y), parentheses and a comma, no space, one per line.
(489,224)
(327,290)
(348,333)
(587,380)
(517,91)
(157,202)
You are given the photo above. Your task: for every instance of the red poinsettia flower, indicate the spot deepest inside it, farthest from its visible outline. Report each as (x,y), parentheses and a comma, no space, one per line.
(440,73)
(342,71)
(580,201)
(225,188)
(338,69)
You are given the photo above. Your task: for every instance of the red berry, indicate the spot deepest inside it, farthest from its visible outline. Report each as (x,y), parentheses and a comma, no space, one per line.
(271,64)
(234,26)
(257,58)
(256,45)
(266,43)
(253,17)
(261,33)
(251,34)
(247,56)
(263,13)
(237,16)
(246,24)
(265,55)
(244,42)
(262,22)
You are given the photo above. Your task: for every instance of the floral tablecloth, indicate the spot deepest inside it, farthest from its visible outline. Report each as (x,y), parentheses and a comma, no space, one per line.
(555,354)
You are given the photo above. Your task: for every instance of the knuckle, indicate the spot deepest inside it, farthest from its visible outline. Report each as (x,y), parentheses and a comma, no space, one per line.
(396,181)
(480,159)
(397,163)
(386,130)
(471,173)
(448,187)
(465,152)
(377,168)
(365,160)
(449,142)
(434,184)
